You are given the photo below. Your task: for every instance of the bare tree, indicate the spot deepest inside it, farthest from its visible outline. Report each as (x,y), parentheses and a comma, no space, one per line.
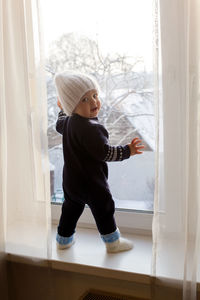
(116,76)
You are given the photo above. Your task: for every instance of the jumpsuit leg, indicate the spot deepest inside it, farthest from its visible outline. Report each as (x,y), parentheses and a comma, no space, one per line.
(103,207)
(71,212)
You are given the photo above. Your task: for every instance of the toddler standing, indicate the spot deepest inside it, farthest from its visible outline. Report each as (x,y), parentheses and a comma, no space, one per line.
(86,150)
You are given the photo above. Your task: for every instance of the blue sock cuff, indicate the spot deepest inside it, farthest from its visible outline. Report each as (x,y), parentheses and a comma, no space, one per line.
(111,237)
(64,240)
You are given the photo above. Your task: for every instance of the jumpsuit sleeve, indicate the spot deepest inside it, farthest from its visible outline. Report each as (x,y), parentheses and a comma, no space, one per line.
(61,122)
(96,143)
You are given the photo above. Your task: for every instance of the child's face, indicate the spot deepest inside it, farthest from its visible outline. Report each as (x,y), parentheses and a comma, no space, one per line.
(89,105)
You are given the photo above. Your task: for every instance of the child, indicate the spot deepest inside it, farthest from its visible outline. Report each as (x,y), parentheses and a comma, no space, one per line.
(86,151)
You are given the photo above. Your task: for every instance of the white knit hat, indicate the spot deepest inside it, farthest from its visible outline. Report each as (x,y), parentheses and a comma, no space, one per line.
(71,87)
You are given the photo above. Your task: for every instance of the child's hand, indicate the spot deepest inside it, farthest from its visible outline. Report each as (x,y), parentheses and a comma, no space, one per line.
(59,104)
(134,148)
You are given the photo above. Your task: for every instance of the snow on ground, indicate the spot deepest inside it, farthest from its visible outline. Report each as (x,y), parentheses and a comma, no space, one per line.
(131,181)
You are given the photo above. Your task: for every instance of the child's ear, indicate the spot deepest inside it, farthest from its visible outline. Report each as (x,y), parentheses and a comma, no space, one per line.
(58,103)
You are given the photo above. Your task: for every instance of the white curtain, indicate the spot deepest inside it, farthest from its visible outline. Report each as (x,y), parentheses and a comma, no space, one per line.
(176,223)
(24,175)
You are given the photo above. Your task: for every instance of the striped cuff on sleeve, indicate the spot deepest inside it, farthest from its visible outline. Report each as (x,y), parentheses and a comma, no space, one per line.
(117,153)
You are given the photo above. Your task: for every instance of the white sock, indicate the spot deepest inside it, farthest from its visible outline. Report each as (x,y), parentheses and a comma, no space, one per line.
(115,243)
(119,245)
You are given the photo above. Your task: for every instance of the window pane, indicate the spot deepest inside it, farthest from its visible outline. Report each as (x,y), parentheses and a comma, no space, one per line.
(111,40)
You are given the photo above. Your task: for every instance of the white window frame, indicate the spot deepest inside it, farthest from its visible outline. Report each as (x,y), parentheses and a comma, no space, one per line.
(128,220)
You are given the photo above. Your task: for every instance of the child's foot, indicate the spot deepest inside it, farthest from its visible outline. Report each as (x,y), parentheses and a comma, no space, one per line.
(64,242)
(119,245)
(114,243)
(62,247)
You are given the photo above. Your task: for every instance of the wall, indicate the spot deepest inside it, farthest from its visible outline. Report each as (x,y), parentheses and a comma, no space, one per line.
(3,277)
(3,267)
(39,283)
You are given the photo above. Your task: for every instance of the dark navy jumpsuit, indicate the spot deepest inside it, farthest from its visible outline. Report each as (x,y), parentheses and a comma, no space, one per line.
(85,172)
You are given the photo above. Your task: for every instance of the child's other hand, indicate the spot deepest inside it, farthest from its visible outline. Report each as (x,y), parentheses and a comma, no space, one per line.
(59,104)
(134,147)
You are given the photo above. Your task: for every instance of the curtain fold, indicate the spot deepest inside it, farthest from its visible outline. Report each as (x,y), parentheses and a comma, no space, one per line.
(176,235)
(3,269)
(25,165)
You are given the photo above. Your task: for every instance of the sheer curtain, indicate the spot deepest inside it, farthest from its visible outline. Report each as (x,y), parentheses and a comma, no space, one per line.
(25,197)
(176,223)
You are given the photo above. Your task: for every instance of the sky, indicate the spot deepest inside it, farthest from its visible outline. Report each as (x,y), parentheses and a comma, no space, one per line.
(123,26)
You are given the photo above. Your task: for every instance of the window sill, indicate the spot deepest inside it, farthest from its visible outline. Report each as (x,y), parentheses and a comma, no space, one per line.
(88,256)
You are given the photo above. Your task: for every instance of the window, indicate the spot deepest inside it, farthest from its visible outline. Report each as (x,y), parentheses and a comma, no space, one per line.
(113,42)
